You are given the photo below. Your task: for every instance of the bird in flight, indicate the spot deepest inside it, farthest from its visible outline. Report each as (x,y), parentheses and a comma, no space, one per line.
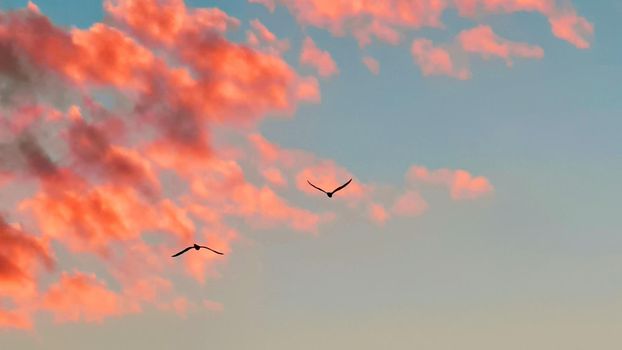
(197,247)
(330,194)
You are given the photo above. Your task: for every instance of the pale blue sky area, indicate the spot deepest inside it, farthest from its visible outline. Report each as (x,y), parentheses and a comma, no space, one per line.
(537,265)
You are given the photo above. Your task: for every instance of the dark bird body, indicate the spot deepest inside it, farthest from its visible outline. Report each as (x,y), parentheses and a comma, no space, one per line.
(330,194)
(196,247)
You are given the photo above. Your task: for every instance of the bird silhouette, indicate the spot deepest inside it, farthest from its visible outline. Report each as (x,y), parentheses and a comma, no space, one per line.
(197,247)
(330,194)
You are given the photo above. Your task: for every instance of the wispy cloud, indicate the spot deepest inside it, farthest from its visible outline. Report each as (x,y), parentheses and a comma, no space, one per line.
(390,21)
(319,59)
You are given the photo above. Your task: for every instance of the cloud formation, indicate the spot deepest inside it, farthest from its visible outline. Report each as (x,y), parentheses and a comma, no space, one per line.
(125,163)
(81,297)
(319,59)
(390,21)
(483,41)
(460,183)
(98,187)
(410,204)
(435,60)
(371,64)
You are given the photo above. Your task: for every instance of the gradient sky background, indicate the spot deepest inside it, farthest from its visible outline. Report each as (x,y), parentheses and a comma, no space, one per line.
(526,253)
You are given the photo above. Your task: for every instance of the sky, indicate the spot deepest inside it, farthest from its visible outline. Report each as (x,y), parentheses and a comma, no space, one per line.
(482,137)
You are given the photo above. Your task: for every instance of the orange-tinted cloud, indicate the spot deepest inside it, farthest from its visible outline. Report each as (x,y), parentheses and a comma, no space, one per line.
(433,60)
(106,175)
(378,213)
(261,37)
(328,175)
(15,320)
(483,41)
(231,81)
(410,204)
(461,184)
(565,23)
(96,182)
(572,28)
(388,21)
(319,59)
(308,90)
(83,55)
(163,21)
(203,264)
(81,297)
(269,152)
(365,19)
(91,218)
(90,145)
(23,257)
(381,202)
(181,306)
(262,31)
(371,64)
(274,177)
(258,206)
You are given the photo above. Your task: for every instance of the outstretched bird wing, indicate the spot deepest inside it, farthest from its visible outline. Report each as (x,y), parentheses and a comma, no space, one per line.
(208,248)
(183,251)
(315,186)
(342,186)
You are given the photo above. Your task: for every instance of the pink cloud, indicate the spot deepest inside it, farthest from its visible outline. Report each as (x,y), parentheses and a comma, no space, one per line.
(435,60)
(264,33)
(365,19)
(483,41)
(274,177)
(111,176)
(200,266)
(97,189)
(328,175)
(262,207)
(321,60)
(379,30)
(388,21)
(371,64)
(261,37)
(81,297)
(181,306)
(565,23)
(572,28)
(91,219)
(410,204)
(33,7)
(15,320)
(378,213)
(144,289)
(466,186)
(163,21)
(461,184)
(23,258)
(308,89)
(91,146)
(269,152)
